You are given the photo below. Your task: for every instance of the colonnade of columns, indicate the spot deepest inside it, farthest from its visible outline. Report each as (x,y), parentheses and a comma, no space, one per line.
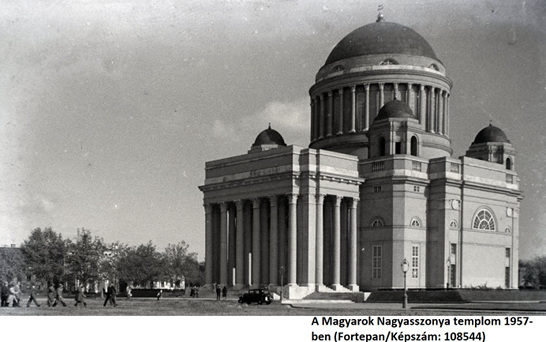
(351,109)
(249,241)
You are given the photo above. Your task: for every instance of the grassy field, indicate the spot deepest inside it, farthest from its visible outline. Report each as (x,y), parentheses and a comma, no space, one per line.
(211,307)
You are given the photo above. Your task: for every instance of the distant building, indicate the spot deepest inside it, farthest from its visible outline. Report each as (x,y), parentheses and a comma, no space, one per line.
(377,185)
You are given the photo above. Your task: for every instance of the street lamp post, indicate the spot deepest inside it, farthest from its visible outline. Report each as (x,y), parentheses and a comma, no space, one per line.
(282,281)
(448,264)
(405,267)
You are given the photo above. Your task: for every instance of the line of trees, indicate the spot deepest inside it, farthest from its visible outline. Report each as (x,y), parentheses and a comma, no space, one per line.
(46,257)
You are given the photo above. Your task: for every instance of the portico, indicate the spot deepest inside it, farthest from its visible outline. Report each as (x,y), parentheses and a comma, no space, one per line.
(300,217)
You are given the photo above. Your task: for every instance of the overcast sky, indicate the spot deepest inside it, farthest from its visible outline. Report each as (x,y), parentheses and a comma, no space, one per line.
(110,109)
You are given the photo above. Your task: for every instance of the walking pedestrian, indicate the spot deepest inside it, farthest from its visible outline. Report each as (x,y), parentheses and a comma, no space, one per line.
(159,294)
(111,295)
(80,297)
(32,296)
(224,292)
(14,297)
(51,294)
(59,297)
(218,292)
(4,293)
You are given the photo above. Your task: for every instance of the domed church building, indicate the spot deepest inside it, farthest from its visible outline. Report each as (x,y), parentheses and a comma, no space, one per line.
(377,188)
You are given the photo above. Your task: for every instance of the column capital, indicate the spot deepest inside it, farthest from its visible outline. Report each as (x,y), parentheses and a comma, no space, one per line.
(354,202)
(444,93)
(381,85)
(338,199)
(330,93)
(256,202)
(207,207)
(292,198)
(353,88)
(422,87)
(410,85)
(239,204)
(223,206)
(320,198)
(395,85)
(321,95)
(273,200)
(367,87)
(340,90)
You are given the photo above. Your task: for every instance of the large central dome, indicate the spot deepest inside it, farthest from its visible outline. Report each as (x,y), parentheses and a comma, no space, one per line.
(381,38)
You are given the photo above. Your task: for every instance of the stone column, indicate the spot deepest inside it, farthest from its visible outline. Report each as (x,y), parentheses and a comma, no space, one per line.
(223,243)
(208,244)
(312,137)
(292,239)
(256,241)
(282,233)
(336,267)
(321,119)
(410,99)
(330,114)
(353,109)
(397,92)
(447,115)
(231,248)
(240,249)
(444,113)
(320,241)
(422,103)
(381,96)
(367,107)
(273,241)
(432,109)
(340,123)
(353,256)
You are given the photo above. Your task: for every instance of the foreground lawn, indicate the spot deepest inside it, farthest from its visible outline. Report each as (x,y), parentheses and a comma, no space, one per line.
(230,307)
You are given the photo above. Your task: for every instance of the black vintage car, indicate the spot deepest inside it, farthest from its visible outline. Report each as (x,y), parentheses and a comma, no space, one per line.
(259,296)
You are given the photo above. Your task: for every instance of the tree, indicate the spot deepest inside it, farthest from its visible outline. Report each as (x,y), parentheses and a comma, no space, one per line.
(84,257)
(140,265)
(180,264)
(45,254)
(534,272)
(11,263)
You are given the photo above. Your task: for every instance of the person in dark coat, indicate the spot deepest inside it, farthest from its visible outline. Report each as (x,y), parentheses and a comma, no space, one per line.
(111,295)
(224,292)
(4,293)
(218,292)
(51,294)
(159,294)
(80,297)
(32,296)
(59,297)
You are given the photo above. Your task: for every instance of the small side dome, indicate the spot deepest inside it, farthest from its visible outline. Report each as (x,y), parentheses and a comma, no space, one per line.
(267,139)
(491,134)
(395,109)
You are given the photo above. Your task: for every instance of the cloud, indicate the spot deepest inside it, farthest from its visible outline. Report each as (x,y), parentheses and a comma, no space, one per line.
(291,119)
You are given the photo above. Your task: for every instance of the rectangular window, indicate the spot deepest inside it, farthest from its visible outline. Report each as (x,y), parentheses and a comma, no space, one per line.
(415,262)
(507,277)
(416,188)
(398,148)
(377,188)
(376,262)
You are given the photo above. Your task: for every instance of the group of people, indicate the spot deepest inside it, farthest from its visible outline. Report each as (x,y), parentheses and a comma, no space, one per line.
(12,296)
(222,292)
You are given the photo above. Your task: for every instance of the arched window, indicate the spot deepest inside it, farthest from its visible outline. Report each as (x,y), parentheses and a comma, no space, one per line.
(434,67)
(508,164)
(382,146)
(484,220)
(413,146)
(415,222)
(378,222)
(338,68)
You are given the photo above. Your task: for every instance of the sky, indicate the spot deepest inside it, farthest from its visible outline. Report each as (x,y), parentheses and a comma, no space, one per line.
(110,109)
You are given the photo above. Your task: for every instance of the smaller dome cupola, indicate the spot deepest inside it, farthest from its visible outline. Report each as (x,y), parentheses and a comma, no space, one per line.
(267,139)
(491,144)
(491,134)
(395,109)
